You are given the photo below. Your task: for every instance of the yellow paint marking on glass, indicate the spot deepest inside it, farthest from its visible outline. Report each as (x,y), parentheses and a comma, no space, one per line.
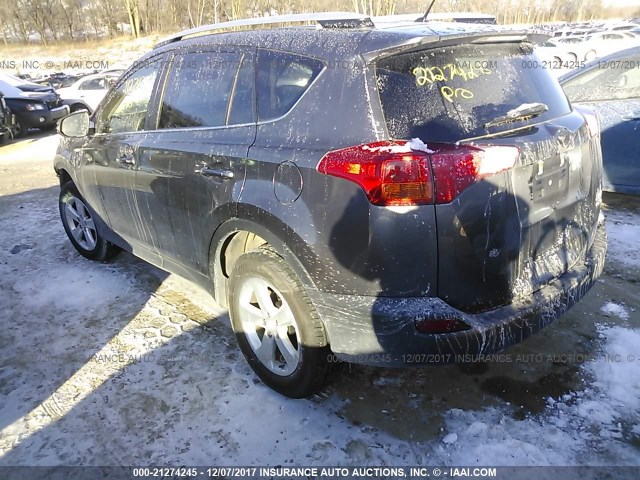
(450,71)
(450,93)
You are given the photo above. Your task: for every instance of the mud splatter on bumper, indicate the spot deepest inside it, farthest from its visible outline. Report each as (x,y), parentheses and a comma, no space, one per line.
(381,330)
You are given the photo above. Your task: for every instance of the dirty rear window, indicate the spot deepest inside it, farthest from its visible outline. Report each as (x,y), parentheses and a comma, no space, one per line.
(449,94)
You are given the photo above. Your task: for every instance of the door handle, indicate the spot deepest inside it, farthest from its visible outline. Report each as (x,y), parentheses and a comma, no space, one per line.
(217,172)
(126,159)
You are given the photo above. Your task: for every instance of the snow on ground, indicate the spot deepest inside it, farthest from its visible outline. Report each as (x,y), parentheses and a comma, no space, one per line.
(606,411)
(121,364)
(623,229)
(611,308)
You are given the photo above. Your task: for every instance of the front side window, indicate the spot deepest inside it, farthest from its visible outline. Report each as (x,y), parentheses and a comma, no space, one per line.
(127,108)
(282,79)
(198,90)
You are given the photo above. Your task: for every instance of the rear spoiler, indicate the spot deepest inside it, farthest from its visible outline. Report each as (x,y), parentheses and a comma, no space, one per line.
(479,38)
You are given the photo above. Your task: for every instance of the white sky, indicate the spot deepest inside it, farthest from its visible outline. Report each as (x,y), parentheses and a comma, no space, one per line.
(621,3)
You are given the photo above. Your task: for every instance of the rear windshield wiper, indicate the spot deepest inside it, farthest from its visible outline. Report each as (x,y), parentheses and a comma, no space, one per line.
(523,112)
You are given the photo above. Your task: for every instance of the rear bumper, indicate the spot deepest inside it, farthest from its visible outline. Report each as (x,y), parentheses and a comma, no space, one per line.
(381,330)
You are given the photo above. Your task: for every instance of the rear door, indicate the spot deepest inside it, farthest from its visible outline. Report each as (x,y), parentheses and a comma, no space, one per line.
(614,93)
(192,172)
(510,228)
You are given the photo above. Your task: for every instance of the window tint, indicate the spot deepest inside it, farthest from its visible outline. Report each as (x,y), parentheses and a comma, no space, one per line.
(282,79)
(198,89)
(127,108)
(600,84)
(449,94)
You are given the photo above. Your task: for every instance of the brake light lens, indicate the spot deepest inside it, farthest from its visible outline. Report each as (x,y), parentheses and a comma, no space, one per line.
(388,172)
(391,174)
(456,168)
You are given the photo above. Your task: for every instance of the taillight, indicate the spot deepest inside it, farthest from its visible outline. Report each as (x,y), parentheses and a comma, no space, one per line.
(456,168)
(391,173)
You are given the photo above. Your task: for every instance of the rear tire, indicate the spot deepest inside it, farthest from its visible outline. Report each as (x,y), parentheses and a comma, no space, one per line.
(80,226)
(277,327)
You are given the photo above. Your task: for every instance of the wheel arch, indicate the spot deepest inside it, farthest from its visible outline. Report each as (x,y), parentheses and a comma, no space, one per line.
(63,176)
(241,234)
(78,105)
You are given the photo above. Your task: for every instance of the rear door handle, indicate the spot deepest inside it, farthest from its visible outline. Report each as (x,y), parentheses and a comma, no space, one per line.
(126,159)
(217,172)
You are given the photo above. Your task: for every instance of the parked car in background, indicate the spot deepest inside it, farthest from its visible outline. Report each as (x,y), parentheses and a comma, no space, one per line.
(7,121)
(591,46)
(433,202)
(611,86)
(87,92)
(58,80)
(34,106)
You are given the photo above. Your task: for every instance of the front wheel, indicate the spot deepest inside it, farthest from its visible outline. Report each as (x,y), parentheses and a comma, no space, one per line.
(276,325)
(81,227)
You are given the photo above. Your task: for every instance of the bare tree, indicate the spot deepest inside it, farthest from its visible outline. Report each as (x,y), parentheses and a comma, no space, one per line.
(133,12)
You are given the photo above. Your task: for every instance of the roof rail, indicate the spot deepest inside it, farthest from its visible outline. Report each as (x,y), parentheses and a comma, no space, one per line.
(324,19)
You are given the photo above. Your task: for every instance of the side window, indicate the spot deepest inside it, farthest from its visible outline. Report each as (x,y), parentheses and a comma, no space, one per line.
(281,81)
(629,83)
(601,84)
(198,90)
(243,102)
(93,84)
(127,108)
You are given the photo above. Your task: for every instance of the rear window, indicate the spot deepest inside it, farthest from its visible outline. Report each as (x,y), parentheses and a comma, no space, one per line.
(449,94)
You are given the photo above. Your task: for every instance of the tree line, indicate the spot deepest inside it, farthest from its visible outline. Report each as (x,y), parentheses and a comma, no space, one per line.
(49,21)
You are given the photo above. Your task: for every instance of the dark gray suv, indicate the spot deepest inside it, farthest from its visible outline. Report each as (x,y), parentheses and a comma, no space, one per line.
(406,195)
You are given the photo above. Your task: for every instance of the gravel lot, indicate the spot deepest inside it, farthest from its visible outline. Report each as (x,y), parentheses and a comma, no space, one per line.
(122,364)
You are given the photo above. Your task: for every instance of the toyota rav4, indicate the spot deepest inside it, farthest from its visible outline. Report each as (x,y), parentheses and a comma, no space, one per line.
(399,194)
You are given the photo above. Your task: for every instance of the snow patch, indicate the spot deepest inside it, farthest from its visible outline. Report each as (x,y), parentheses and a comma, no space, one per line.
(73,287)
(415,144)
(611,308)
(450,438)
(623,230)
(617,373)
(419,145)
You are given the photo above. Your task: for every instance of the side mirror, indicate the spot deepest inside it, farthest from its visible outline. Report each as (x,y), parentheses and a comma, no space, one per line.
(75,125)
